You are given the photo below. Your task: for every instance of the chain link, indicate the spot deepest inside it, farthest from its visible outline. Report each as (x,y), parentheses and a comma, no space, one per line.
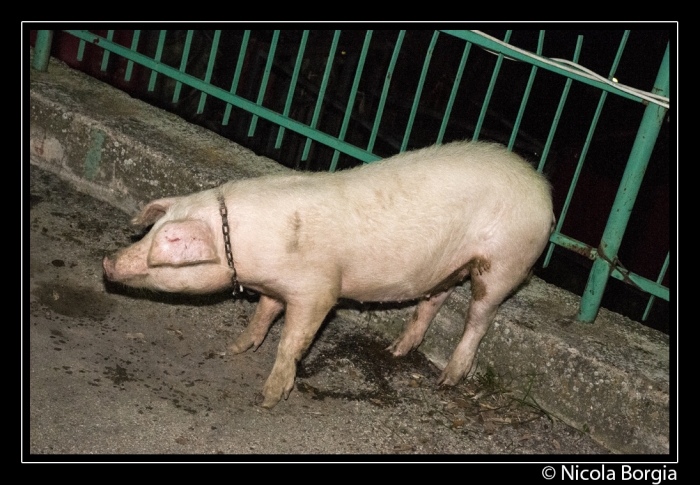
(237,288)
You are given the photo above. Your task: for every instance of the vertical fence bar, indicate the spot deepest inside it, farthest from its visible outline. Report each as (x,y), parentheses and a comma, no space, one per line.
(105,54)
(42,49)
(586,145)
(624,200)
(134,46)
(237,75)
(81,49)
(263,83)
(560,108)
(183,64)
(351,99)
(292,86)
(652,298)
(385,89)
(419,91)
(321,92)
(210,69)
(159,53)
(489,91)
(526,95)
(453,93)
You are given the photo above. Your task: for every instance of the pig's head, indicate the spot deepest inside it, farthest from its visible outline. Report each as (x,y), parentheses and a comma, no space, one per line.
(181,252)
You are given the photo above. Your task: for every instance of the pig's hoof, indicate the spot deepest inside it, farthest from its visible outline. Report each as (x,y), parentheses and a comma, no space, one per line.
(235,348)
(402,346)
(269,402)
(398,350)
(271,397)
(446,381)
(451,375)
(242,343)
(276,387)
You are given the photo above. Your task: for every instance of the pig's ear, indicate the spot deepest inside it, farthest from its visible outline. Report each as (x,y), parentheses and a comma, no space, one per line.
(181,243)
(153,211)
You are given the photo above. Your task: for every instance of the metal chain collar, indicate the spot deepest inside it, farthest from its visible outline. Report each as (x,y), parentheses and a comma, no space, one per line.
(237,288)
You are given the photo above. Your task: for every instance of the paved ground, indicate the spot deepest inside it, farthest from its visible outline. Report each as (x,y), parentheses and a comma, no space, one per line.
(112,371)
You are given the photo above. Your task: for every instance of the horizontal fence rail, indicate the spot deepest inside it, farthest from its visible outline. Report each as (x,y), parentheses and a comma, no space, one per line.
(346,100)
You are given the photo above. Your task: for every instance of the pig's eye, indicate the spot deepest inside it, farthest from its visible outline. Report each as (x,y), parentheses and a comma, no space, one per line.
(141,234)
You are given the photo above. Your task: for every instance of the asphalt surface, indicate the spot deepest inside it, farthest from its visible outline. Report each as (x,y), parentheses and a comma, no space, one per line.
(109,370)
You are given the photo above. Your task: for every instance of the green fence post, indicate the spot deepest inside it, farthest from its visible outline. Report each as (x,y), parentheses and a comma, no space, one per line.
(624,200)
(42,49)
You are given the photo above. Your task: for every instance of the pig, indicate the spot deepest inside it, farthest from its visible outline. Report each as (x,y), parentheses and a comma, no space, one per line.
(409,227)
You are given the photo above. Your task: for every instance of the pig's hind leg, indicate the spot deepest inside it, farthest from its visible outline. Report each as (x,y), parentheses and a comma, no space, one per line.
(490,285)
(301,322)
(254,334)
(413,334)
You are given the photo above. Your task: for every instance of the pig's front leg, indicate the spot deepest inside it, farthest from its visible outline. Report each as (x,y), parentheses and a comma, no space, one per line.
(267,310)
(414,332)
(301,322)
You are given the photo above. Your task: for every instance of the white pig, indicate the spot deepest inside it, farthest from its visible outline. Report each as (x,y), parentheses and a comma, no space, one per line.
(408,227)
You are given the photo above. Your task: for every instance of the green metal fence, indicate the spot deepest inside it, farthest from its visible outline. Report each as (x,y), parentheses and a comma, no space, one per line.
(339,132)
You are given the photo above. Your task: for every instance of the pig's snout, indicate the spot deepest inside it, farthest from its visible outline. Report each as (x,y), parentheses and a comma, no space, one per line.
(122,267)
(108,267)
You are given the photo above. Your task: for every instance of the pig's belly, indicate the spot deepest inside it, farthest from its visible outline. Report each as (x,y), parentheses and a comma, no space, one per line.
(399,284)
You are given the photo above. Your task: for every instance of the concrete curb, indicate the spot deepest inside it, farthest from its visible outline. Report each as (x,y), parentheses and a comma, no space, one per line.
(610,378)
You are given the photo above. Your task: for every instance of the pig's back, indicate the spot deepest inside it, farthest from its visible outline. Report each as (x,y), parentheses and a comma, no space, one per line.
(396,228)
(466,182)
(454,166)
